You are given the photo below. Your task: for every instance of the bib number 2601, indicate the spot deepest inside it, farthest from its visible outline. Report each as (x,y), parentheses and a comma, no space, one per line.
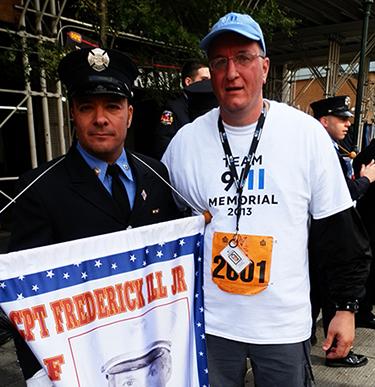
(223,270)
(255,277)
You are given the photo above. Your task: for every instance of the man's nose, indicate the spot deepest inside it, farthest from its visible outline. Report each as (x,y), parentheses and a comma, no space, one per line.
(231,69)
(100,116)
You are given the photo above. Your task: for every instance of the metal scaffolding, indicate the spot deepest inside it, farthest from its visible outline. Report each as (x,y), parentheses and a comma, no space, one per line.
(41,28)
(331,78)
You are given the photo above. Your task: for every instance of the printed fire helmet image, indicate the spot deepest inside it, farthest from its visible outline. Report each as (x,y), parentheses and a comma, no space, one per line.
(150,367)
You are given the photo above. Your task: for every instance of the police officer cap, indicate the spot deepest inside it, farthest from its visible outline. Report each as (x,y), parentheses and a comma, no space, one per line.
(132,361)
(333,106)
(97,71)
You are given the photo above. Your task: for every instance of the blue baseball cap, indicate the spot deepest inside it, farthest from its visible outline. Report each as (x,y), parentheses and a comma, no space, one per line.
(239,23)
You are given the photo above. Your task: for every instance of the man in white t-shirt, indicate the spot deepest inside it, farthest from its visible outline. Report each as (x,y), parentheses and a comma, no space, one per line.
(272,182)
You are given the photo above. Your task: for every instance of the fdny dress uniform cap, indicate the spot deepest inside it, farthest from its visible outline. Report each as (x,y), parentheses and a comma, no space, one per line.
(97,71)
(201,98)
(132,361)
(334,106)
(239,23)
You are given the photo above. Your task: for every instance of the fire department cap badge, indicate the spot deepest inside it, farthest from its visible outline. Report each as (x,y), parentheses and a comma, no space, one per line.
(98,59)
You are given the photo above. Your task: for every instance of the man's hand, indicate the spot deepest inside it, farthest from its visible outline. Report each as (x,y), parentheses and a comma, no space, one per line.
(341,332)
(368,171)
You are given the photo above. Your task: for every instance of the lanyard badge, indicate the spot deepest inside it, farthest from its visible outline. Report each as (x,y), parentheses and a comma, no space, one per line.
(235,257)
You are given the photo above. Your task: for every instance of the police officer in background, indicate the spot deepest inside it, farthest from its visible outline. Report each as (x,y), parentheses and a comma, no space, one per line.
(334,114)
(98,187)
(176,112)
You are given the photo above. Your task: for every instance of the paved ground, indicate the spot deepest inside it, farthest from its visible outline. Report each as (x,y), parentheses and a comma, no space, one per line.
(324,376)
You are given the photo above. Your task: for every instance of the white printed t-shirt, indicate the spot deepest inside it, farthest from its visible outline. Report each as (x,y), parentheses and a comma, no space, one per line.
(295,174)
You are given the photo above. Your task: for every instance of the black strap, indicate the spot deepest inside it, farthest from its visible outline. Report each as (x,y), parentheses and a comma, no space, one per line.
(240,182)
(119,194)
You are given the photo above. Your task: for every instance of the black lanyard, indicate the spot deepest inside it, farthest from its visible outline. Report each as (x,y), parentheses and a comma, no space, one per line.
(240,182)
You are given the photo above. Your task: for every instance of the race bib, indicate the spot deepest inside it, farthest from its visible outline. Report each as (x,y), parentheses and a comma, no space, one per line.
(254,277)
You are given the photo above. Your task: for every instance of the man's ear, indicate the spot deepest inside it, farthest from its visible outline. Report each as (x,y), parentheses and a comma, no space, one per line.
(188,81)
(130,115)
(266,67)
(324,121)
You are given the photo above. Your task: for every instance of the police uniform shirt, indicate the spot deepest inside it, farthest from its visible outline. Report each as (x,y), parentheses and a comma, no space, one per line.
(100,169)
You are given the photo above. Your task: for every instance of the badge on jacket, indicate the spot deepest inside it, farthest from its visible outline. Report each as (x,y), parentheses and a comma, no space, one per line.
(167,117)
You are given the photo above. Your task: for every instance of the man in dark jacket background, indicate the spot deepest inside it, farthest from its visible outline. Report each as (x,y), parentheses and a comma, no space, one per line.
(176,112)
(366,208)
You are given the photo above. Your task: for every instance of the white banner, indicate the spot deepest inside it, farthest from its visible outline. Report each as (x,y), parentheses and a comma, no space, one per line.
(120,309)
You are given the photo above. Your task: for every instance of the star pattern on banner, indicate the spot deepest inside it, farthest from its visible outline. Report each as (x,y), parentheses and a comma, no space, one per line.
(98,263)
(159,254)
(199,313)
